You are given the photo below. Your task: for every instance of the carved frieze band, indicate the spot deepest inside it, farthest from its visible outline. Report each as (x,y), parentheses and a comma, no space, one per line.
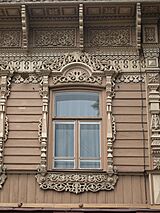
(112,36)
(128,78)
(154,108)
(54,63)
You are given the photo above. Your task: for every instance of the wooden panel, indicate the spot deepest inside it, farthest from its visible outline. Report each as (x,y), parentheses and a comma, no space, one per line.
(22,143)
(135,144)
(24,110)
(25,87)
(24,102)
(129,95)
(129,103)
(23,126)
(23,134)
(21,159)
(134,152)
(130,126)
(129,87)
(24,167)
(130,161)
(24,188)
(130,118)
(128,110)
(24,118)
(24,151)
(130,135)
(24,95)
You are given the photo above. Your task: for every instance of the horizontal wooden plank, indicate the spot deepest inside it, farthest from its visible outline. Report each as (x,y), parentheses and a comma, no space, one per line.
(130,127)
(24,95)
(23,126)
(130,152)
(25,87)
(129,95)
(21,151)
(130,118)
(22,143)
(128,103)
(24,110)
(24,102)
(23,134)
(117,110)
(24,118)
(131,135)
(130,144)
(133,168)
(22,160)
(130,161)
(129,87)
(24,167)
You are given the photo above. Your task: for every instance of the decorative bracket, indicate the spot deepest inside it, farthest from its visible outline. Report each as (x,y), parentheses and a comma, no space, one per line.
(138,25)
(24,20)
(81,27)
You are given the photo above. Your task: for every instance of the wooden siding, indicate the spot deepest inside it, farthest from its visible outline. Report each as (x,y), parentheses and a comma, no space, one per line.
(25,189)
(24,109)
(131,145)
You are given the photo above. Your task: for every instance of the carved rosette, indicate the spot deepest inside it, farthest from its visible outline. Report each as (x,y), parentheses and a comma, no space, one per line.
(154,108)
(77,182)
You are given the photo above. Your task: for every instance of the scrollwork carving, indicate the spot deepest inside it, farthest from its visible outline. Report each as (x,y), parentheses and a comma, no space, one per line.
(130,78)
(77,182)
(21,78)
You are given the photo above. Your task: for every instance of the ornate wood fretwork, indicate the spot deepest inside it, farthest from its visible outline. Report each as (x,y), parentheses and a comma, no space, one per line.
(138,25)
(24,19)
(127,78)
(4,93)
(154,103)
(81,27)
(77,182)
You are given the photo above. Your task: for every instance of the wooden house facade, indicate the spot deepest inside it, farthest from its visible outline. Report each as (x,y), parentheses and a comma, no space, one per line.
(79,106)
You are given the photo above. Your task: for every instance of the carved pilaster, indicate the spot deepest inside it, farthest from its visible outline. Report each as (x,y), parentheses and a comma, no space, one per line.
(138,25)
(154,109)
(43,125)
(111,126)
(4,93)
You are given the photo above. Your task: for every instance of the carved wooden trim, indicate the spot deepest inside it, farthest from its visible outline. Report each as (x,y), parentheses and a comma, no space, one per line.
(4,93)
(128,78)
(138,25)
(154,109)
(24,20)
(77,182)
(81,27)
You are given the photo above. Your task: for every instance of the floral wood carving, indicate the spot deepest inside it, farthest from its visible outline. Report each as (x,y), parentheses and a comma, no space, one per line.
(130,78)
(26,78)
(77,182)
(55,38)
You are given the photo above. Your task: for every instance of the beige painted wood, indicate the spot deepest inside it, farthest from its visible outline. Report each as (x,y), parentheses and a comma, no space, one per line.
(24,188)
(24,110)
(24,118)
(22,142)
(23,126)
(24,102)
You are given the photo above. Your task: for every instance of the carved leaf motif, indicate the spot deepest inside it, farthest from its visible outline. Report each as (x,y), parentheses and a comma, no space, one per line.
(153,78)
(10,38)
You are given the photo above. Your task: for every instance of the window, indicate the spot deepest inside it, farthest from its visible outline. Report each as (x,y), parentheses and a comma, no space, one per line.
(77,121)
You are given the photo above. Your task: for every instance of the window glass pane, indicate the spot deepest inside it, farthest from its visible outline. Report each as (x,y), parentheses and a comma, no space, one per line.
(84,164)
(64,140)
(77,104)
(63,164)
(89,140)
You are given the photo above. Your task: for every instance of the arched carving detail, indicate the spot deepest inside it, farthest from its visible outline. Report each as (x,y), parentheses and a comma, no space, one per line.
(77,73)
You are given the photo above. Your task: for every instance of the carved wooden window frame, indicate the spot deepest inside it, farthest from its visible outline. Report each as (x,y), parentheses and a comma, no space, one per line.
(101,119)
(94,74)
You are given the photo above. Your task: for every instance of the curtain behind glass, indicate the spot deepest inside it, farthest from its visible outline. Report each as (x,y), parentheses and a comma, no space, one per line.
(77,104)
